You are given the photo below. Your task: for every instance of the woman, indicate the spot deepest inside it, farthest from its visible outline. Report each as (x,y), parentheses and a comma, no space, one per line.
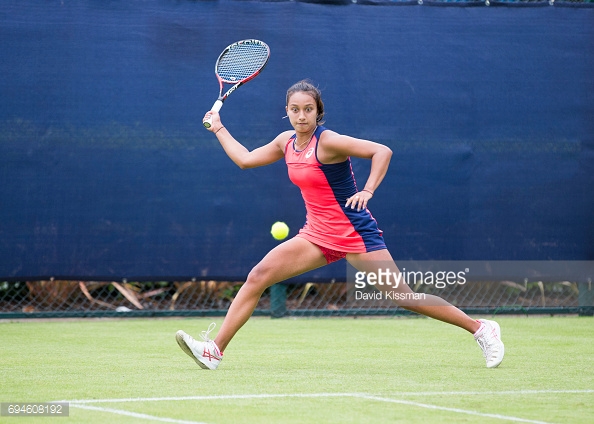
(339,225)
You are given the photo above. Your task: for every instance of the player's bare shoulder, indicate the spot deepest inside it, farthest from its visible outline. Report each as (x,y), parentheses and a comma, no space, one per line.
(282,139)
(331,147)
(332,140)
(337,147)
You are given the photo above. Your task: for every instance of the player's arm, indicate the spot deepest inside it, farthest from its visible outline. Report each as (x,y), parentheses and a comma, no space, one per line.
(238,153)
(336,148)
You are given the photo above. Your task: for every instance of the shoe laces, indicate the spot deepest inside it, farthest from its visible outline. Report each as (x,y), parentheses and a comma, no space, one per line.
(485,347)
(209,341)
(204,335)
(487,341)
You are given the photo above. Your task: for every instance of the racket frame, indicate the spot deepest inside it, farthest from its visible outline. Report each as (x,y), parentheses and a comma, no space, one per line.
(222,97)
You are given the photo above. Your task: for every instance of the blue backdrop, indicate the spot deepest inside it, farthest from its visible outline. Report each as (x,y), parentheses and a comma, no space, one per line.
(107,173)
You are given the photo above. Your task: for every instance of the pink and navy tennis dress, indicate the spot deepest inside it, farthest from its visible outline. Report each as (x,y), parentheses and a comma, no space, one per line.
(325,189)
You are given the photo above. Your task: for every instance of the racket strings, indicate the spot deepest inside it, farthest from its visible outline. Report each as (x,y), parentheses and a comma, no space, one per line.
(241,62)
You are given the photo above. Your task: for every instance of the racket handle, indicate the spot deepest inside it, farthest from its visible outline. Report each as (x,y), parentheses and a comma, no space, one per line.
(215,108)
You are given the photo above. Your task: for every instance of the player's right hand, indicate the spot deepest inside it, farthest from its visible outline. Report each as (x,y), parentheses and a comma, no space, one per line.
(215,120)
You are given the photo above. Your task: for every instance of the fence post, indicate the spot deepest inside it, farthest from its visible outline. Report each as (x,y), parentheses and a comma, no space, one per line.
(278,300)
(586,299)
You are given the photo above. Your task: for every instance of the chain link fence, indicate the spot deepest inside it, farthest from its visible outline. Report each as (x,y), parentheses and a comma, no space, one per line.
(60,298)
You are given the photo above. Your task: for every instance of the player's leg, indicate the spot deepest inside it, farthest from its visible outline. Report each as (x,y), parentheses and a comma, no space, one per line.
(431,306)
(486,333)
(289,259)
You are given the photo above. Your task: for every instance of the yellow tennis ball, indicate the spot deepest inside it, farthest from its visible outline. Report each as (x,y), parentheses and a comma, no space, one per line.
(279,230)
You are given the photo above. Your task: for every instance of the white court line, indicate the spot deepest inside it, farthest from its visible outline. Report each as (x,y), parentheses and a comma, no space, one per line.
(458,410)
(134,414)
(84,404)
(255,396)
(497,392)
(211,397)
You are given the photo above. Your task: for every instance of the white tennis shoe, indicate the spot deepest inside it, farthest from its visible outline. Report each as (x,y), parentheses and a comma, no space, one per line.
(206,353)
(488,338)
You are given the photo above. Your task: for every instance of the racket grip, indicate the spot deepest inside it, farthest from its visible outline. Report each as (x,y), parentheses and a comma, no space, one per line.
(215,108)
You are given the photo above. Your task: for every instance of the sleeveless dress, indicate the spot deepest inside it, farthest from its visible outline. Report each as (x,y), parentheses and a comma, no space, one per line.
(325,189)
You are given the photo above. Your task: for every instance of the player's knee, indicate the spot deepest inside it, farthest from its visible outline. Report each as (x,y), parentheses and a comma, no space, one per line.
(258,278)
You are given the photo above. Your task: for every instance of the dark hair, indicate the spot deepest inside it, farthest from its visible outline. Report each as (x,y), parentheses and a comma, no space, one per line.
(306,86)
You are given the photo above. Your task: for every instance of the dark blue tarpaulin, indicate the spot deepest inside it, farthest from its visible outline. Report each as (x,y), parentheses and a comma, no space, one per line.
(107,173)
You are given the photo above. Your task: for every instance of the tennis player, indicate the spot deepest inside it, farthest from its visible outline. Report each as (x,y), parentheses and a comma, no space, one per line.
(339,224)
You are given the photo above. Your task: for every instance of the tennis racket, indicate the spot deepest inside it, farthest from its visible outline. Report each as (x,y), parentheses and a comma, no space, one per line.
(237,64)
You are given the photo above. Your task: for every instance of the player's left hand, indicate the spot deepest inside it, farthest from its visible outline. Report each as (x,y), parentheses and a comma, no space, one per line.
(359,200)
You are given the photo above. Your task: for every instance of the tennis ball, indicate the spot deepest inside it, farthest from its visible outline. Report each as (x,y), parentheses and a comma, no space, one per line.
(279,230)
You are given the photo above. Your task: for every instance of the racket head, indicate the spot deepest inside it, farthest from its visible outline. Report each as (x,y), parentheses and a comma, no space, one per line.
(242,61)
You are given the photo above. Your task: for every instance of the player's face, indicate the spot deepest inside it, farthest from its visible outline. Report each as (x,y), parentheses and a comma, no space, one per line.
(302,112)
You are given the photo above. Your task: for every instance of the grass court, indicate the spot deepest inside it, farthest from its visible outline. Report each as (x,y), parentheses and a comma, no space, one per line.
(309,370)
